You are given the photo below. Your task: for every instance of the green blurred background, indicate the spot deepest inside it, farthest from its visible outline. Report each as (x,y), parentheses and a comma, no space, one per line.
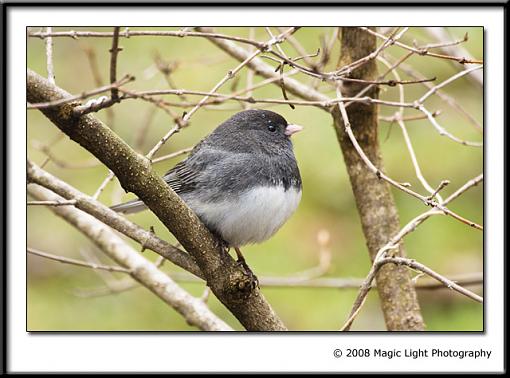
(56,299)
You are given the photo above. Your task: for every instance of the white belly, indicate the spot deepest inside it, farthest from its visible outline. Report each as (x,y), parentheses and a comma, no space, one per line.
(252,217)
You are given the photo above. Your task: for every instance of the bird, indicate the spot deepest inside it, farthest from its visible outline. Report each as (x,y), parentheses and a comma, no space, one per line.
(242,180)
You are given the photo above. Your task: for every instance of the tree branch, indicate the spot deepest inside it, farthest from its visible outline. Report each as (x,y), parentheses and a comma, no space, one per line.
(142,270)
(95,208)
(114,51)
(228,280)
(67,260)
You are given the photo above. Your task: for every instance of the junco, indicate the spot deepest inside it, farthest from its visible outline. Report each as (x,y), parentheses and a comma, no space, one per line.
(242,180)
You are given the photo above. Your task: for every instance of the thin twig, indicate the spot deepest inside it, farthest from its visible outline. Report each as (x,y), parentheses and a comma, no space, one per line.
(156,102)
(424,51)
(440,187)
(468,185)
(67,260)
(84,95)
(105,182)
(407,139)
(46,149)
(327,103)
(139,33)
(301,50)
(382,76)
(167,69)
(388,41)
(443,132)
(96,74)
(290,282)
(453,48)
(383,176)
(250,74)
(172,155)
(230,74)
(378,263)
(423,268)
(395,117)
(114,51)
(409,70)
(49,57)
(446,82)
(393,243)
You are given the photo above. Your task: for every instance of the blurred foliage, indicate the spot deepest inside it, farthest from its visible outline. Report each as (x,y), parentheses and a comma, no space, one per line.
(442,243)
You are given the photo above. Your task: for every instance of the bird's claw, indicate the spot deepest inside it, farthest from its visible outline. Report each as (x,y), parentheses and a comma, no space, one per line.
(253,278)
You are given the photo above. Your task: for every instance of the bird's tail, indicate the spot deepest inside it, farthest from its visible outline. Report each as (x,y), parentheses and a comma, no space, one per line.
(129,207)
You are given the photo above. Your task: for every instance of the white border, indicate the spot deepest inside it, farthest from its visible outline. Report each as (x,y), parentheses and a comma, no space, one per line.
(297,352)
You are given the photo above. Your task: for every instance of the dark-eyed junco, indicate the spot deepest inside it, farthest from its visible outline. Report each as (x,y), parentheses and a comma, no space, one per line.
(242,180)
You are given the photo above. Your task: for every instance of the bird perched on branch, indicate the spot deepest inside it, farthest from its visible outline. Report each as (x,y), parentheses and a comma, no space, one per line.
(242,180)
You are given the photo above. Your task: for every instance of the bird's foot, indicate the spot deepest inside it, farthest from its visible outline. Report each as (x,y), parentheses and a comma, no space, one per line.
(252,277)
(242,262)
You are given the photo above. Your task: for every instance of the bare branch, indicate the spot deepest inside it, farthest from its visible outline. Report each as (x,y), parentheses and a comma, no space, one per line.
(394,243)
(381,175)
(453,48)
(292,282)
(223,97)
(126,33)
(229,282)
(446,98)
(172,155)
(49,57)
(379,263)
(52,203)
(67,260)
(105,182)
(46,149)
(192,309)
(230,74)
(388,41)
(70,98)
(92,58)
(114,51)
(111,218)
(397,116)
(424,51)
(407,139)
(422,268)
(265,70)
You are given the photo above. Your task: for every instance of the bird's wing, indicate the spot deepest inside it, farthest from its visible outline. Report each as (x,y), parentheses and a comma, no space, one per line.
(183,177)
(209,168)
(189,174)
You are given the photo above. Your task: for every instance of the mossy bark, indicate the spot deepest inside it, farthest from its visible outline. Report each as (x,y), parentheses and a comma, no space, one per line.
(376,206)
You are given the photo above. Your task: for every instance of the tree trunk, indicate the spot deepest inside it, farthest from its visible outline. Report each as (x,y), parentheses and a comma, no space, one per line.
(376,206)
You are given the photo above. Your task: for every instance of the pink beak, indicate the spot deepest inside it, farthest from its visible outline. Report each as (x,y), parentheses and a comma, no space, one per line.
(292,129)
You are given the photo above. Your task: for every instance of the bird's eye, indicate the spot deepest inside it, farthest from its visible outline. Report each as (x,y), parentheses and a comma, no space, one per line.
(271,128)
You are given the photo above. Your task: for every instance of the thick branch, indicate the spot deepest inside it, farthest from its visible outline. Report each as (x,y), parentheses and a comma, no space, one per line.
(228,281)
(376,206)
(93,207)
(142,270)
